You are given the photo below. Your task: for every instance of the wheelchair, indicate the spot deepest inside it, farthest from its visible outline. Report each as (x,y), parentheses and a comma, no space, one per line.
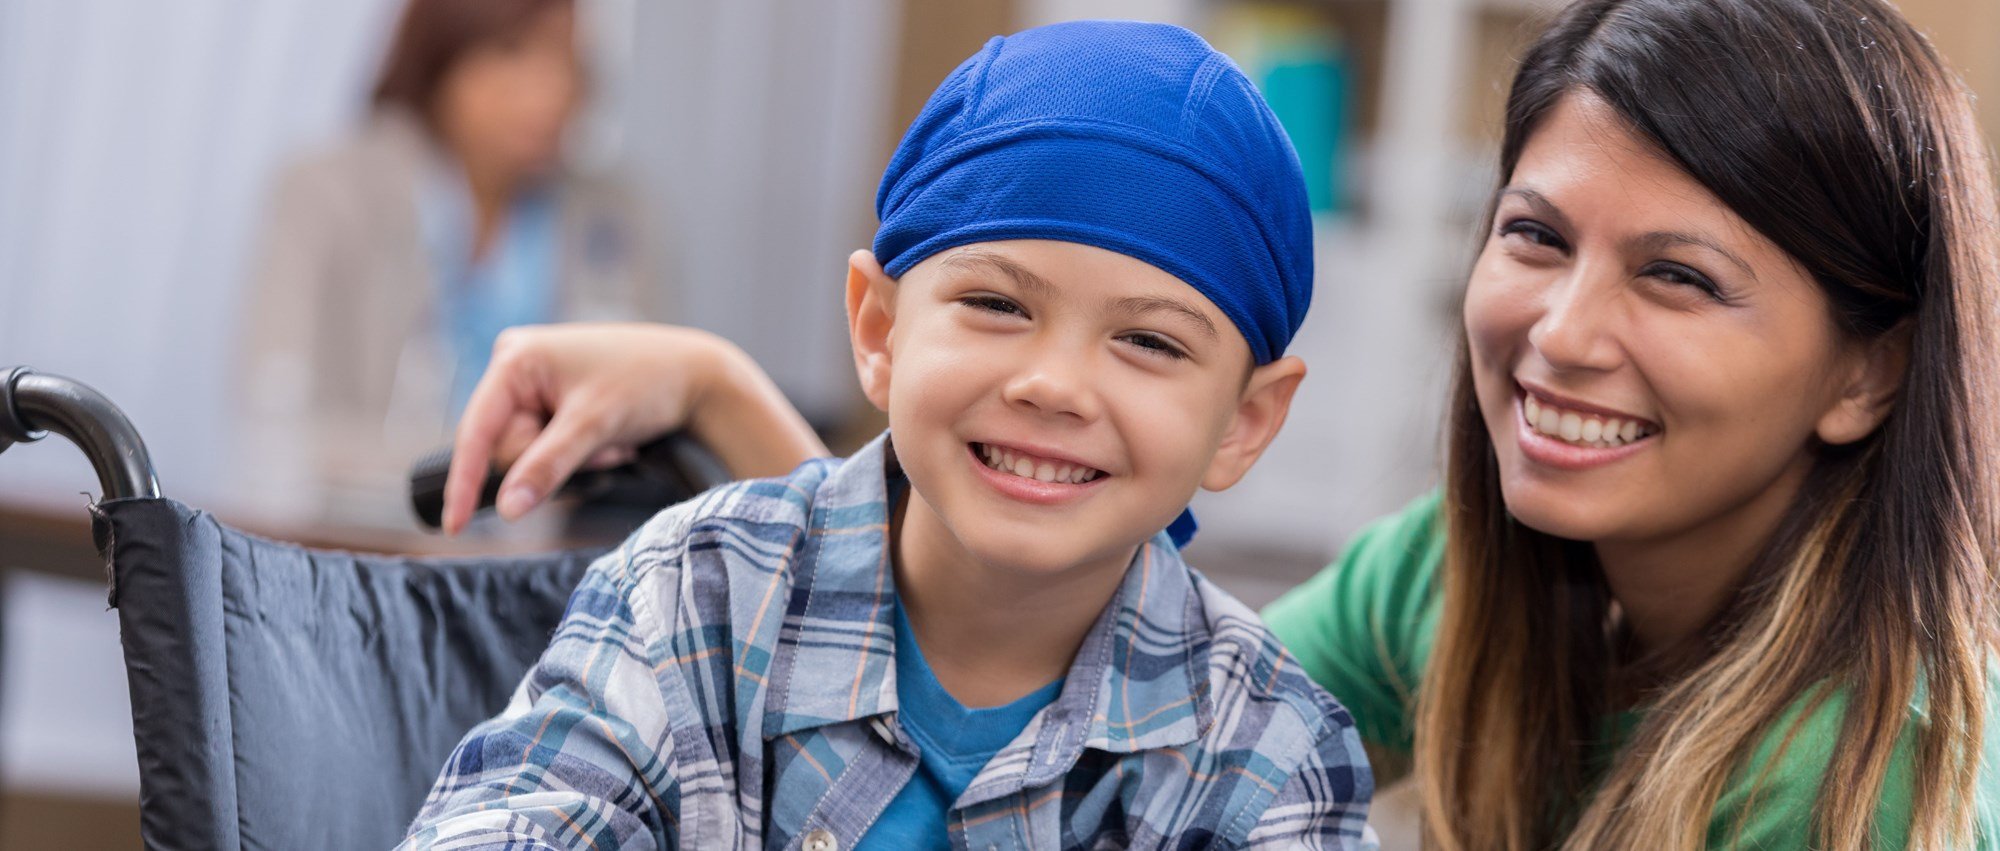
(288,698)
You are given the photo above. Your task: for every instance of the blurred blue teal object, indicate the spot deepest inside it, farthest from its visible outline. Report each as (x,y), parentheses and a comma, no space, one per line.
(1302,65)
(1308,90)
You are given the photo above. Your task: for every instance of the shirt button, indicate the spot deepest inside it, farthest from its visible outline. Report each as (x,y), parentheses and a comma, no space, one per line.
(822,840)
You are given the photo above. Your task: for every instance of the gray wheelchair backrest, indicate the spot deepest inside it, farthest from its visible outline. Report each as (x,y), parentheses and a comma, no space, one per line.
(286,698)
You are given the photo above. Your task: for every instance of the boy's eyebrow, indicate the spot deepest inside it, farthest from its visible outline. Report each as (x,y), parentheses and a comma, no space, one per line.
(1021,275)
(1135,305)
(1141,305)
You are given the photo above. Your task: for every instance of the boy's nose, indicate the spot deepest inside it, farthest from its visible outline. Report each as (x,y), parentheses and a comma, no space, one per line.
(1057,385)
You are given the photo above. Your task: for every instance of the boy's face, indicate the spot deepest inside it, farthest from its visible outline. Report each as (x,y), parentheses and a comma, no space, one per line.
(1056,404)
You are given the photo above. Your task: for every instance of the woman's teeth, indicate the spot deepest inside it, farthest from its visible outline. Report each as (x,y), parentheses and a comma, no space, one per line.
(1580,429)
(1030,467)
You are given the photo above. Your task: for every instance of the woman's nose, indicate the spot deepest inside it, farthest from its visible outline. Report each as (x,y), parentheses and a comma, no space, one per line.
(1577,326)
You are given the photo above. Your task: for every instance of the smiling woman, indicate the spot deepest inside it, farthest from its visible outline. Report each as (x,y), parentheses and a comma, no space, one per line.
(1586,310)
(1718,539)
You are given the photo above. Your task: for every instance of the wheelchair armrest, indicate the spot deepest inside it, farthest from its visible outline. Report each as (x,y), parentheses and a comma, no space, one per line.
(676,460)
(32,404)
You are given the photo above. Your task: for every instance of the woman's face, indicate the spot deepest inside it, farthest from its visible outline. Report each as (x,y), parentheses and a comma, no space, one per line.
(504,106)
(1649,367)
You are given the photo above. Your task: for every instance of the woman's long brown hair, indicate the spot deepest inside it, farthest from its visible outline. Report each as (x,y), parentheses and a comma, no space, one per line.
(1833,128)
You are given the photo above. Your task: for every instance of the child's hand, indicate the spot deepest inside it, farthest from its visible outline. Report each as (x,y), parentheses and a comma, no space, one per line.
(559,397)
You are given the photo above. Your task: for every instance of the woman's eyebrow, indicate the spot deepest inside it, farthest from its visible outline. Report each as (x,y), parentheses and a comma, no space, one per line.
(1653,241)
(1142,305)
(1662,239)
(1539,203)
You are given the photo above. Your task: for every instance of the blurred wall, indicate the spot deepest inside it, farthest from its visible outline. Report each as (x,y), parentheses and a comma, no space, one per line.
(135,141)
(755,127)
(1967,33)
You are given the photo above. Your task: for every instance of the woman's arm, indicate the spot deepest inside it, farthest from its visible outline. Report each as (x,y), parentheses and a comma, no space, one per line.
(558,396)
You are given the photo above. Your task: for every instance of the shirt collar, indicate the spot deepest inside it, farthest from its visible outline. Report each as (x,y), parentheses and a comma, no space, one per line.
(1133,685)
(835,654)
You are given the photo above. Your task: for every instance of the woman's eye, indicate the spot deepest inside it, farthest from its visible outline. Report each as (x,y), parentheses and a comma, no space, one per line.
(1675,273)
(1155,344)
(1533,231)
(993,304)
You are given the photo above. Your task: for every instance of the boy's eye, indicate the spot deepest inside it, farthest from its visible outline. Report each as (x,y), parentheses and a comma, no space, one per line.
(1155,344)
(993,304)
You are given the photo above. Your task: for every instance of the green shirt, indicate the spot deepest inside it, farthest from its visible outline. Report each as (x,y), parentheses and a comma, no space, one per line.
(1364,626)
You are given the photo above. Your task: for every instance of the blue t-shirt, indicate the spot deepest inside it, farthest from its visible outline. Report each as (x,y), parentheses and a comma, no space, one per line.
(955,743)
(477,298)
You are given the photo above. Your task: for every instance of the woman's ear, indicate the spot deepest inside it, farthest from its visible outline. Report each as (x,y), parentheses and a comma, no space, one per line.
(871,313)
(1260,412)
(1873,379)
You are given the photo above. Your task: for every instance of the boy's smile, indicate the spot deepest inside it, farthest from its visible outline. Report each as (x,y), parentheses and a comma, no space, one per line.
(1054,404)
(1038,476)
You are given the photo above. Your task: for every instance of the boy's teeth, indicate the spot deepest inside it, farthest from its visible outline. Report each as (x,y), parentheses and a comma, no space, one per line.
(1046,471)
(1581,429)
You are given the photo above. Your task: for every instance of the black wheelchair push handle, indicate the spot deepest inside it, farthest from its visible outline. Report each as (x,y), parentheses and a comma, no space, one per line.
(33,404)
(676,460)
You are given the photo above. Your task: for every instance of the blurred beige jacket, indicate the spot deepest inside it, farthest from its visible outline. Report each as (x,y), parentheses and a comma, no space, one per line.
(343,381)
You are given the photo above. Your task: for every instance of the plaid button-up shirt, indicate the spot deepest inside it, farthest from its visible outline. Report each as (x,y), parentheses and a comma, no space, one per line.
(727,680)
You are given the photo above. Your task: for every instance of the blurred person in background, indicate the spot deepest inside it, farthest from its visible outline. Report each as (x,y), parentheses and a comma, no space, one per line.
(391,262)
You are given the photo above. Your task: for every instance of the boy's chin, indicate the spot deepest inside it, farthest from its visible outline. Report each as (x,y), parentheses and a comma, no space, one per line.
(1045,554)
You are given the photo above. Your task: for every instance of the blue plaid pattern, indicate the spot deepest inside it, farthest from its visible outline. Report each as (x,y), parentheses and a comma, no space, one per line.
(727,680)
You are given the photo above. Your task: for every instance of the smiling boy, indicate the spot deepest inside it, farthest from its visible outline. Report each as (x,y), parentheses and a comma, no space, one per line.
(974,633)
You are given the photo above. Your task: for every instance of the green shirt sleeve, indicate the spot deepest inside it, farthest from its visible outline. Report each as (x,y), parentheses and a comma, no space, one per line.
(1362,627)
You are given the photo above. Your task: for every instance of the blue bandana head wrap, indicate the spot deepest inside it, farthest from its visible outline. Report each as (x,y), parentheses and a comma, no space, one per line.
(1132,137)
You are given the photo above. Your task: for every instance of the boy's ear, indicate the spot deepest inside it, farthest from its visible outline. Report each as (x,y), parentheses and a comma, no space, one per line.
(1874,377)
(1260,412)
(871,313)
